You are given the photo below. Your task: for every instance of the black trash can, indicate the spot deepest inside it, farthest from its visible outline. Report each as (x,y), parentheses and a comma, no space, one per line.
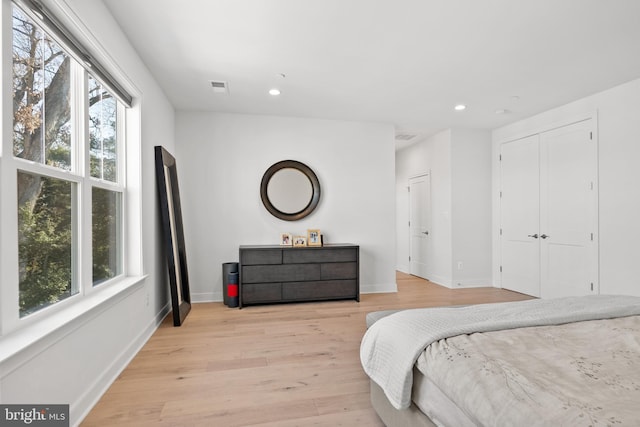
(233,289)
(227,267)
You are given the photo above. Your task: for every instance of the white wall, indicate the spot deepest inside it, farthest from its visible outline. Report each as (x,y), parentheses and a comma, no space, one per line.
(439,165)
(471,207)
(221,159)
(79,361)
(618,115)
(458,162)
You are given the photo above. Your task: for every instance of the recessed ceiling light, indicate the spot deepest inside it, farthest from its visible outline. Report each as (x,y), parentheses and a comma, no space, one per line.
(274,92)
(459,107)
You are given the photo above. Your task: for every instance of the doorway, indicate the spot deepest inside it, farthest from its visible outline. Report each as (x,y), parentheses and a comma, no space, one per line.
(419,225)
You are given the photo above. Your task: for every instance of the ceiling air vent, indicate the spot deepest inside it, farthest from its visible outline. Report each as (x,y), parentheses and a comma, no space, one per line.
(219,87)
(405,136)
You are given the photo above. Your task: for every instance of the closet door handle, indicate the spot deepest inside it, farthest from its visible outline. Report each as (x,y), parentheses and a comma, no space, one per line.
(535,236)
(543,236)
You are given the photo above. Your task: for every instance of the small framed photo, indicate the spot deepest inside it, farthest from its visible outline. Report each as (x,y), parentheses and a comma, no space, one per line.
(314,238)
(299,241)
(285,239)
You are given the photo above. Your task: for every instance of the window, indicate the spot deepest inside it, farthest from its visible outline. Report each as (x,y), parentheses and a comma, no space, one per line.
(45,234)
(68,162)
(41,96)
(106,201)
(102,132)
(106,214)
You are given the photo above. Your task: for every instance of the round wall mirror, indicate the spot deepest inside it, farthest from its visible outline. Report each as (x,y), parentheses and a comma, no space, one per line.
(290,190)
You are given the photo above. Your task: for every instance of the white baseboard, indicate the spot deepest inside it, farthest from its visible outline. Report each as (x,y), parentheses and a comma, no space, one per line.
(378,288)
(207,297)
(403,269)
(441,280)
(472,283)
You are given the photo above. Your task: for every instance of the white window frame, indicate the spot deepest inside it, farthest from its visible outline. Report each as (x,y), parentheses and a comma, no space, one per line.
(20,333)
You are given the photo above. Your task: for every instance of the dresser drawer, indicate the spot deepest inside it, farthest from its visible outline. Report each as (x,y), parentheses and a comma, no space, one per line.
(340,270)
(327,289)
(261,256)
(261,292)
(280,273)
(310,255)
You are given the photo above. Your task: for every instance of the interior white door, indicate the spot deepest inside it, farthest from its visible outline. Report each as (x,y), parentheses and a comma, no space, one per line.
(519,215)
(568,207)
(419,225)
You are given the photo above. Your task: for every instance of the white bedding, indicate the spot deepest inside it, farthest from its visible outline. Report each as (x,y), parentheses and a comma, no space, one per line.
(576,374)
(431,401)
(391,346)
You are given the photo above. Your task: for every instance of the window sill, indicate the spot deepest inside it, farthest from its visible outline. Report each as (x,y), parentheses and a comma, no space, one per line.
(47,331)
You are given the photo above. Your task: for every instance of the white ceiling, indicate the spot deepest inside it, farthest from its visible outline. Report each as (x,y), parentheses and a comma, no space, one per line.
(405,62)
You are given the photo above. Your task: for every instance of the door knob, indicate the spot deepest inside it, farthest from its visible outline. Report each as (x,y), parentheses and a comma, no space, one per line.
(543,236)
(535,236)
(425,232)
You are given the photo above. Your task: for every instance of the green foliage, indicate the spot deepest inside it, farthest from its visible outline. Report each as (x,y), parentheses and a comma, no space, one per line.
(105,234)
(45,246)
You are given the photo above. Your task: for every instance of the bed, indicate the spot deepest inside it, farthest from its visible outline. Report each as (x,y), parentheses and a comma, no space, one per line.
(562,362)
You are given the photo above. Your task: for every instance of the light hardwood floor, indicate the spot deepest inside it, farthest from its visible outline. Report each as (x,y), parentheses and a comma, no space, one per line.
(274,365)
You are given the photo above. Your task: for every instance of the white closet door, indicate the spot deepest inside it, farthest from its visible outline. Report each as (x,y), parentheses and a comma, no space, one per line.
(519,212)
(568,211)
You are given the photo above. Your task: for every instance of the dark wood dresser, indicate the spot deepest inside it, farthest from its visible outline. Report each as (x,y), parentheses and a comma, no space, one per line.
(274,274)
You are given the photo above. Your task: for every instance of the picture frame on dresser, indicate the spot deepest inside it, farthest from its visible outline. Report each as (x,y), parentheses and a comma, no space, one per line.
(300,241)
(314,238)
(286,239)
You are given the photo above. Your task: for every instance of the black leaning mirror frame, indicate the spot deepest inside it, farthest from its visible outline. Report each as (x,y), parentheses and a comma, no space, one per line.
(171,213)
(315,188)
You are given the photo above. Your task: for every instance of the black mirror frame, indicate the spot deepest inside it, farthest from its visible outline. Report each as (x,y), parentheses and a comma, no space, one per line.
(306,170)
(171,213)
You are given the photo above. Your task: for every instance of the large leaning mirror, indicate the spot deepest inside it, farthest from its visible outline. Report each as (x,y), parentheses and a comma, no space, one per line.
(173,233)
(290,190)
